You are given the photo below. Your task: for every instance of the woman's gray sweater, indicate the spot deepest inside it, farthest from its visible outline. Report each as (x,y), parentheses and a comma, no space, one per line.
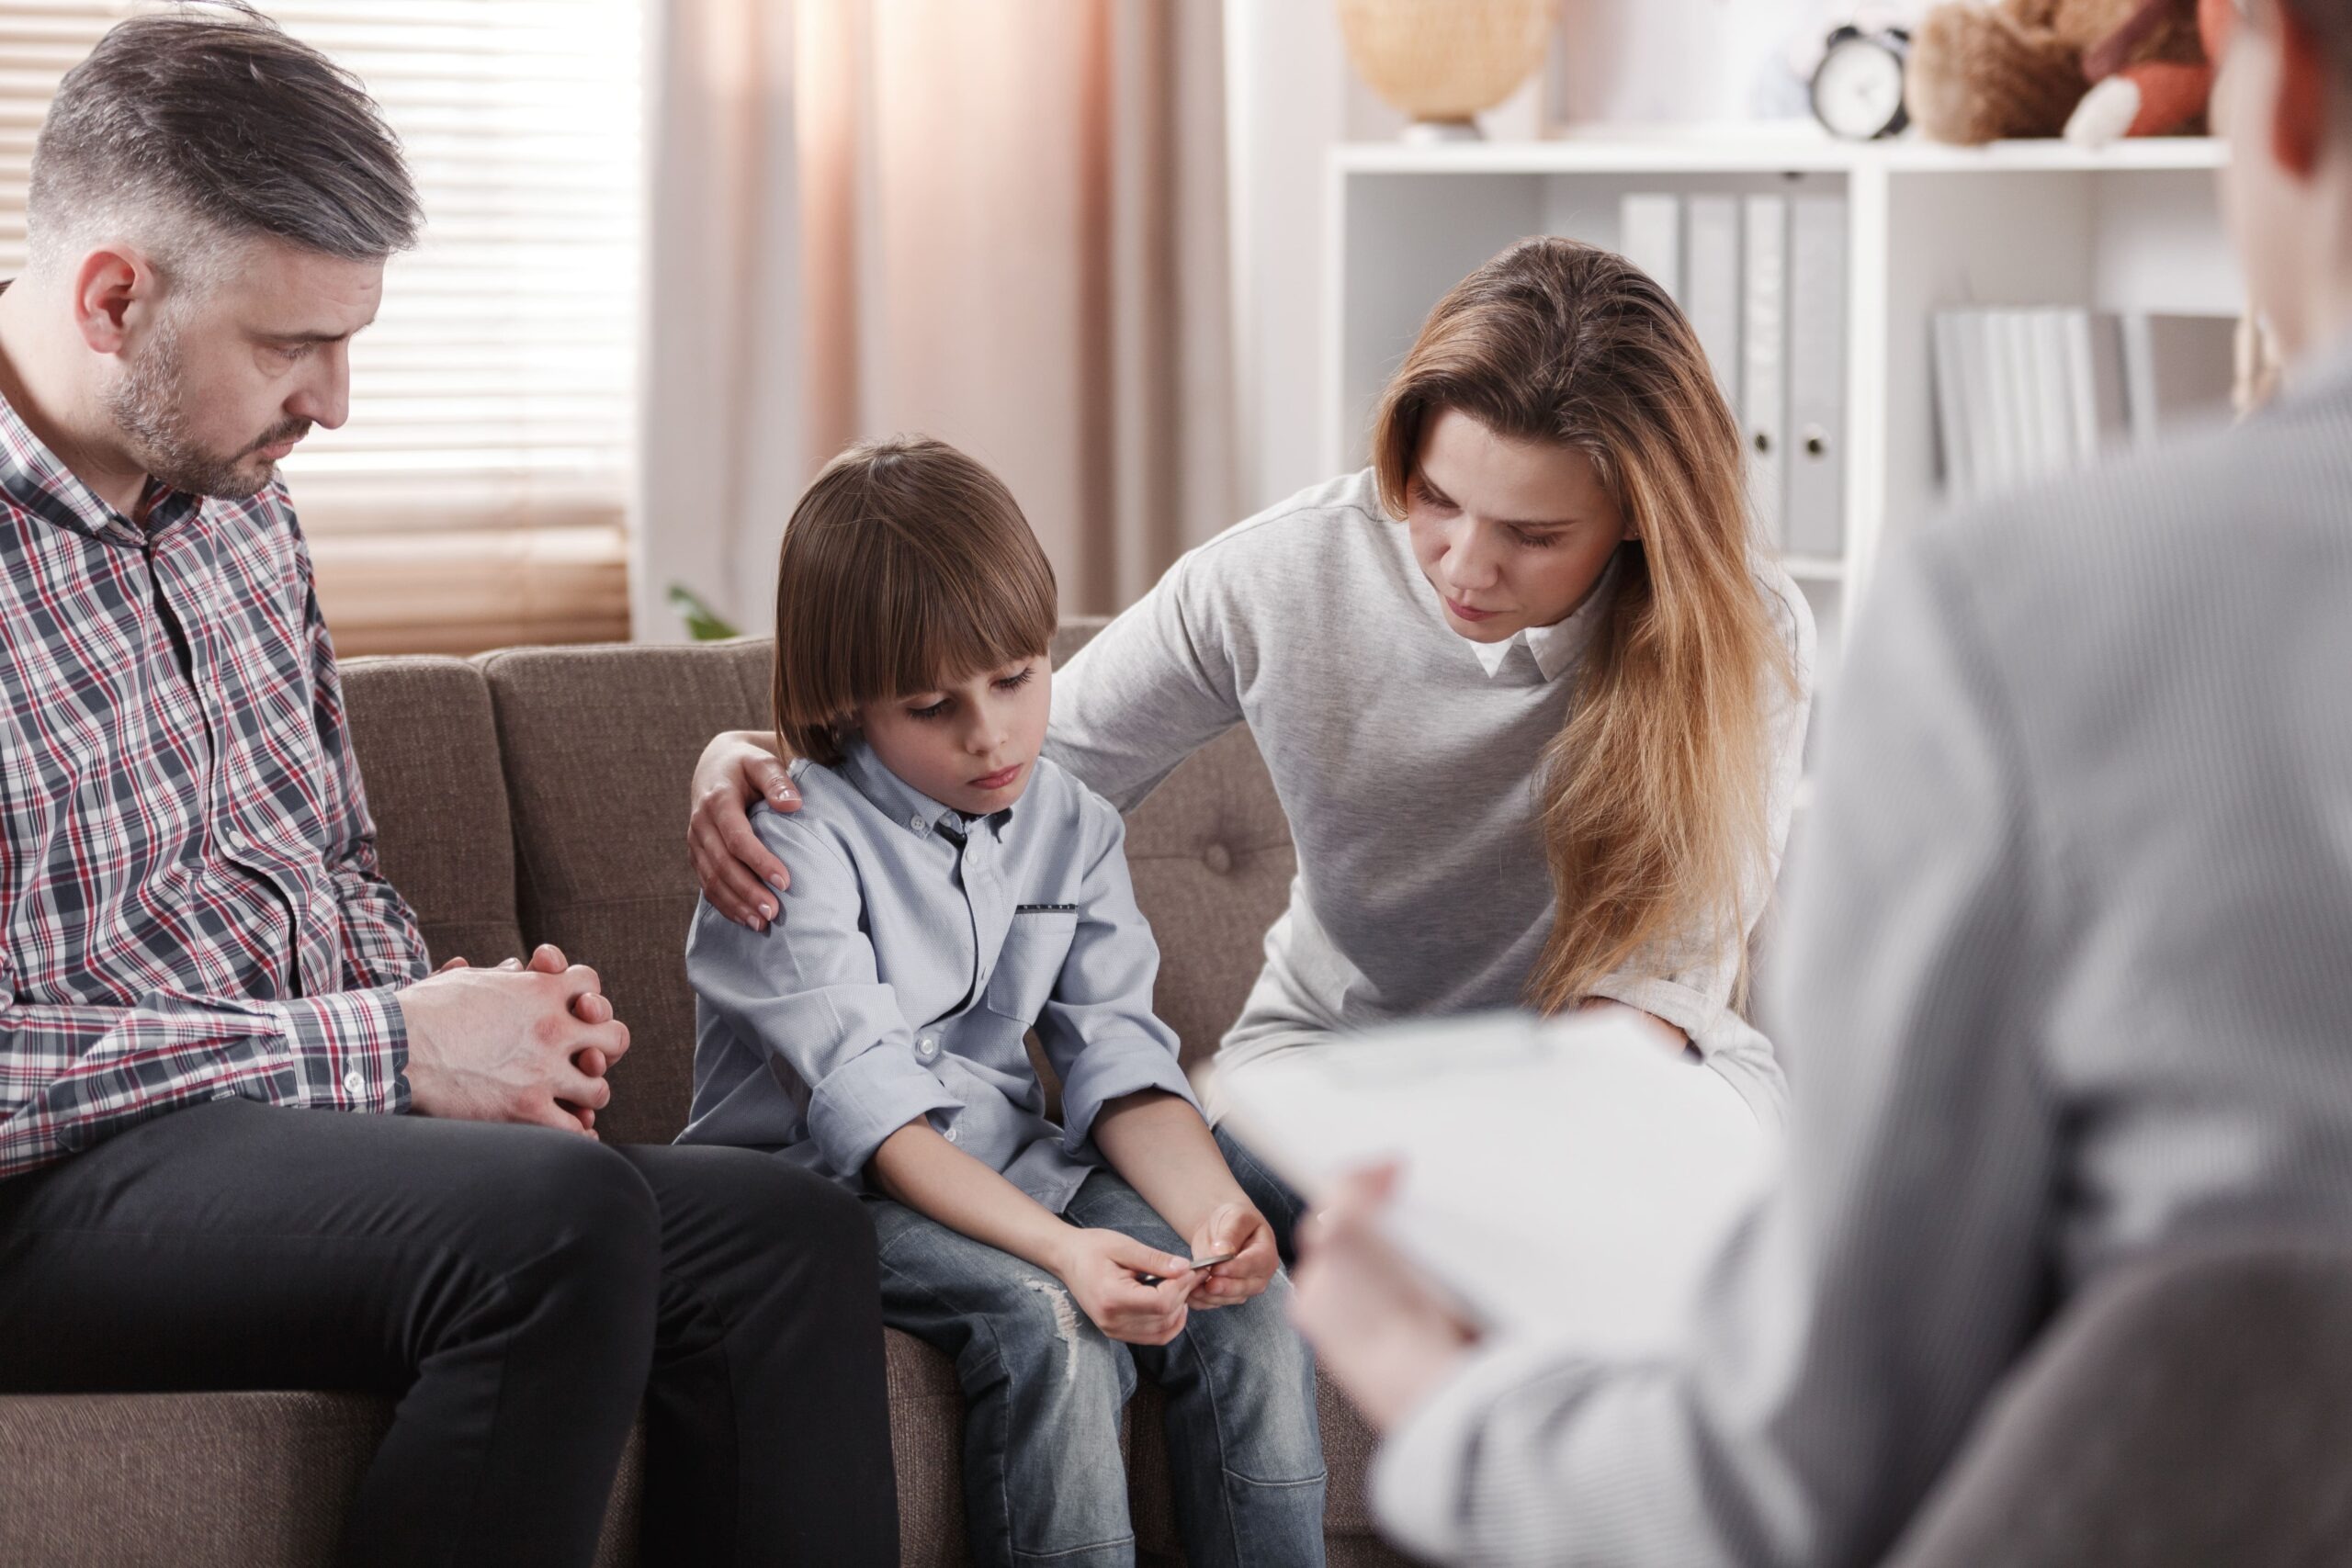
(1410,775)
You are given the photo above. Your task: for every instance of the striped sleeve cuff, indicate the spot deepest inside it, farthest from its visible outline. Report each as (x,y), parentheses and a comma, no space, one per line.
(1419,1485)
(350,1050)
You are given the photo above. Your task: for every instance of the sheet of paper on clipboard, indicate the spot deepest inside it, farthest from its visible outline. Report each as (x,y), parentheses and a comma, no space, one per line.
(1566,1178)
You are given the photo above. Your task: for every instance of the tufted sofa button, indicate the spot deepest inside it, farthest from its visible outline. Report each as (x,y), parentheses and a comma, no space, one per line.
(1218,859)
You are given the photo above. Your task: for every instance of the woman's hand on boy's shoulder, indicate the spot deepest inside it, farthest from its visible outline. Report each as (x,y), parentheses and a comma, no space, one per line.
(1100,1267)
(739,875)
(1240,1230)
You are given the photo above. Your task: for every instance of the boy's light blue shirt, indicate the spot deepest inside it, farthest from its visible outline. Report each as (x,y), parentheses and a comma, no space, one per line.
(913,951)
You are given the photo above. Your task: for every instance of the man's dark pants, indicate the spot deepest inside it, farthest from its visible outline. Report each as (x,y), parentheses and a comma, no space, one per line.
(518,1289)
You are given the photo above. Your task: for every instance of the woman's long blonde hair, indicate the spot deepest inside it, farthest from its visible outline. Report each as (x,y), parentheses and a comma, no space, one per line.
(1655,807)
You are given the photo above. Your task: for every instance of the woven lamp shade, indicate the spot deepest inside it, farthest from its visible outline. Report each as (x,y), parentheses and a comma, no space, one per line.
(1446,59)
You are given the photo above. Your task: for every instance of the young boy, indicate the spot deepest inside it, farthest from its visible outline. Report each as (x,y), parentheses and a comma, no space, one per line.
(950,891)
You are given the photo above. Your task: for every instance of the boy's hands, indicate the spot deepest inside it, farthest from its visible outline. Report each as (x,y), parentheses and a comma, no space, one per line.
(1100,1268)
(1238,1229)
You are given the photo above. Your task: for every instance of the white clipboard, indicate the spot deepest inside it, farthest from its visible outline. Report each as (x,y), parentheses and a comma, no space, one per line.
(1568,1178)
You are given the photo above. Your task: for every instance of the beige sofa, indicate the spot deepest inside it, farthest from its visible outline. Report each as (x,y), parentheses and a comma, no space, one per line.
(539,795)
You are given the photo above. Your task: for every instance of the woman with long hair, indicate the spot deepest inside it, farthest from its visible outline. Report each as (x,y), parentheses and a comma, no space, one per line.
(1531,691)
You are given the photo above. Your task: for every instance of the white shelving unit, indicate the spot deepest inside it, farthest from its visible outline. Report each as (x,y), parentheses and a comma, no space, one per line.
(2133,227)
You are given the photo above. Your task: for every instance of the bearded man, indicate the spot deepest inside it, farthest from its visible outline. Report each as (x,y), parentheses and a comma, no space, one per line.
(246,1140)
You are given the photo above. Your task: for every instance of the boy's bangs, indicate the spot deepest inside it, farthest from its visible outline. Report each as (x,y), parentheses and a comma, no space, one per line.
(949,651)
(952,631)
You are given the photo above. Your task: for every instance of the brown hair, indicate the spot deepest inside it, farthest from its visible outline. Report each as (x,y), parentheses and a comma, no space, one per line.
(205,125)
(1655,812)
(905,565)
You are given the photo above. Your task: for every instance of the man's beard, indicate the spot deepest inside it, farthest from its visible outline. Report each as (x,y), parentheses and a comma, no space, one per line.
(145,404)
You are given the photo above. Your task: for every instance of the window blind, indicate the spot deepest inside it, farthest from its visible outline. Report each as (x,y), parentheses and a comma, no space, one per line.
(478,493)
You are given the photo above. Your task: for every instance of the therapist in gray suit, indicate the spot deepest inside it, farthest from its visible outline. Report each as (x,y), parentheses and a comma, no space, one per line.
(2067,977)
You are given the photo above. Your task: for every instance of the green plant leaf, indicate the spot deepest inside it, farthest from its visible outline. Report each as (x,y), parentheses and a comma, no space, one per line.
(703,623)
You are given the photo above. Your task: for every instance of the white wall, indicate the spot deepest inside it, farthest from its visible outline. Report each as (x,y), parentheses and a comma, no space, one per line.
(1290,97)
(1285,84)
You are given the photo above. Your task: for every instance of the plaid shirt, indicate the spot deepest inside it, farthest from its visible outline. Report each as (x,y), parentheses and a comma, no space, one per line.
(189,903)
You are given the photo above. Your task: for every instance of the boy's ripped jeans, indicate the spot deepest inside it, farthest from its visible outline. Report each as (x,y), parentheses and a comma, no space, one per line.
(1045,1485)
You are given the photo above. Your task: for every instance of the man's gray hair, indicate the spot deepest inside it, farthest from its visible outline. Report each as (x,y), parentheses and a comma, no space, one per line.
(199,126)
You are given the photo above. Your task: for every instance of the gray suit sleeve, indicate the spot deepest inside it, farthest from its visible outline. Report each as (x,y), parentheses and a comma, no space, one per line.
(1151,688)
(1846,1338)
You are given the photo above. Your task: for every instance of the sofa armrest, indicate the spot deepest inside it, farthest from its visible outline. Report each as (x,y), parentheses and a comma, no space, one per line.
(2193,1408)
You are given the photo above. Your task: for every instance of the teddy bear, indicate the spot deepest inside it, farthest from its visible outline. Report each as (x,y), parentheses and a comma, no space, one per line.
(2089,70)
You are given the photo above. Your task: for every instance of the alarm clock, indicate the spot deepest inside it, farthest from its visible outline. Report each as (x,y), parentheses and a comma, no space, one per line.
(1857,87)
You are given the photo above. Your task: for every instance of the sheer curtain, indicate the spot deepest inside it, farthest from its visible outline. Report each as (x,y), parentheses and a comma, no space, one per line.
(1003,225)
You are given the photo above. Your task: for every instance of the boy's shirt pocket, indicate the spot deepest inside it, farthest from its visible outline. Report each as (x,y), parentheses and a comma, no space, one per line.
(1035,946)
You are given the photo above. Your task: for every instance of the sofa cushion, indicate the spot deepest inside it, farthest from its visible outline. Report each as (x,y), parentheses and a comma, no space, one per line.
(428,758)
(1211,856)
(2191,1407)
(927,1447)
(209,1480)
(263,1480)
(600,745)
